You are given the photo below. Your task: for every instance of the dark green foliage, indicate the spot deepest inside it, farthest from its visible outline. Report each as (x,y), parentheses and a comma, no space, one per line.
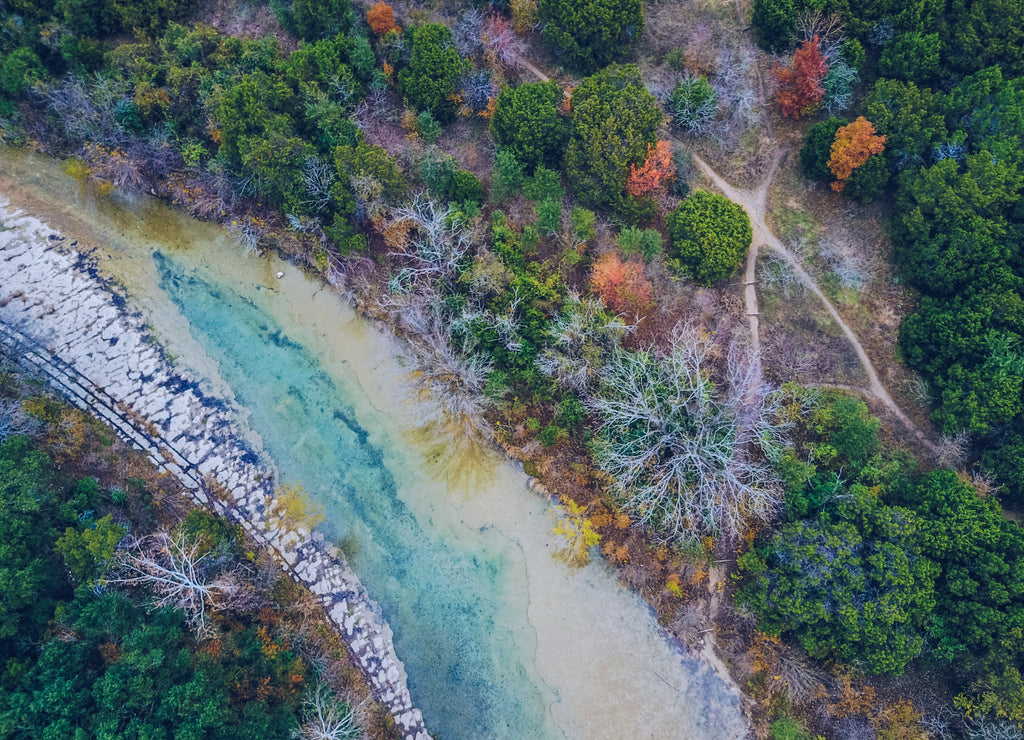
(428,127)
(592,33)
(32,515)
(868,181)
(710,236)
(363,160)
(508,175)
(318,19)
(912,57)
(544,185)
(18,70)
(465,188)
(432,78)
(817,149)
(950,231)
(774,23)
(906,115)
(614,119)
(980,591)
(982,33)
(549,216)
(854,587)
(76,664)
(87,550)
(853,51)
(550,435)
(648,243)
(527,123)
(571,411)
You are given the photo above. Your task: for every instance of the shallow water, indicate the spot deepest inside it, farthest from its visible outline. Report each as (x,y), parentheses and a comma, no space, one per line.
(499,639)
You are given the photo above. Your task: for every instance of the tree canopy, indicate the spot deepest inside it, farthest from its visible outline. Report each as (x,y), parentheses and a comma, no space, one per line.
(710,236)
(592,33)
(614,120)
(431,80)
(528,123)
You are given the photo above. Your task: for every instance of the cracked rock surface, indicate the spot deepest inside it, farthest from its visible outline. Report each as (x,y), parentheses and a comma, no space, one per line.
(59,316)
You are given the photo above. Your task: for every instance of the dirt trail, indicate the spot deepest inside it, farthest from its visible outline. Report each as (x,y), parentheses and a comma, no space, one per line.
(755,202)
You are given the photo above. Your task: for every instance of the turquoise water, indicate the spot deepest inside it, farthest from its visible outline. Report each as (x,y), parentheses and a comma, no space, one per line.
(441,598)
(500,640)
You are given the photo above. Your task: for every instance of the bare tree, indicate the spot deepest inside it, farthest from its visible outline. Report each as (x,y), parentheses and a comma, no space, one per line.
(827,28)
(180,576)
(325,717)
(441,238)
(317,178)
(687,459)
(449,372)
(583,337)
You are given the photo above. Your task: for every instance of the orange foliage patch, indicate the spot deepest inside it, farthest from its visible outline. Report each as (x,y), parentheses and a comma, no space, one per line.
(621,285)
(381,19)
(800,89)
(853,146)
(656,170)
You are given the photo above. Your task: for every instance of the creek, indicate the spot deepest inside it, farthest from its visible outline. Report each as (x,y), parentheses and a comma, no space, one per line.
(499,638)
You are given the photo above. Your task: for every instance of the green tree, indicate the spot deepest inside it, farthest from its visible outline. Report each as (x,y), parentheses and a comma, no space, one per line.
(980,589)
(854,587)
(614,119)
(908,117)
(710,236)
(817,149)
(527,123)
(912,57)
(774,23)
(868,181)
(87,552)
(19,69)
(318,19)
(431,81)
(592,33)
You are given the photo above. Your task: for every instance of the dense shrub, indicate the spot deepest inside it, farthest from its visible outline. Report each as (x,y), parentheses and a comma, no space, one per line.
(592,33)
(710,236)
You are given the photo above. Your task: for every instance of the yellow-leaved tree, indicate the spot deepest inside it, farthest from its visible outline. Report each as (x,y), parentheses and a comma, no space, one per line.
(577,533)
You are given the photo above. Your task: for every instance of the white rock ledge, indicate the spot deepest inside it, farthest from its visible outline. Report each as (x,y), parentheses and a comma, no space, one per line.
(60,317)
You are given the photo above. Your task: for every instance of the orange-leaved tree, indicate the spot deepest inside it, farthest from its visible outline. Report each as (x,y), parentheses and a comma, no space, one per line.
(656,170)
(853,146)
(381,18)
(800,88)
(621,285)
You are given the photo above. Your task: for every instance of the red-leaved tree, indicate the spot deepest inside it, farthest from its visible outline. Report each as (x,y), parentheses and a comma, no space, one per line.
(621,285)
(800,89)
(656,170)
(853,146)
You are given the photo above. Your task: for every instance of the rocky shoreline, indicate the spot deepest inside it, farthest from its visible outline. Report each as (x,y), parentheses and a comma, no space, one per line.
(58,315)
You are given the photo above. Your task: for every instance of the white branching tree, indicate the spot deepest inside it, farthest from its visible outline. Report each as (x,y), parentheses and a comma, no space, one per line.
(317,178)
(440,240)
(325,717)
(687,459)
(449,372)
(582,339)
(180,574)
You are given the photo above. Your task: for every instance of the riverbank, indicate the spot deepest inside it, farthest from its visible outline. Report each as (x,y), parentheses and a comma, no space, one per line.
(611,648)
(74,329)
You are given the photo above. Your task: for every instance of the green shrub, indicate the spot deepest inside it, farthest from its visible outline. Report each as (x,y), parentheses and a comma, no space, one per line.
(710,236)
